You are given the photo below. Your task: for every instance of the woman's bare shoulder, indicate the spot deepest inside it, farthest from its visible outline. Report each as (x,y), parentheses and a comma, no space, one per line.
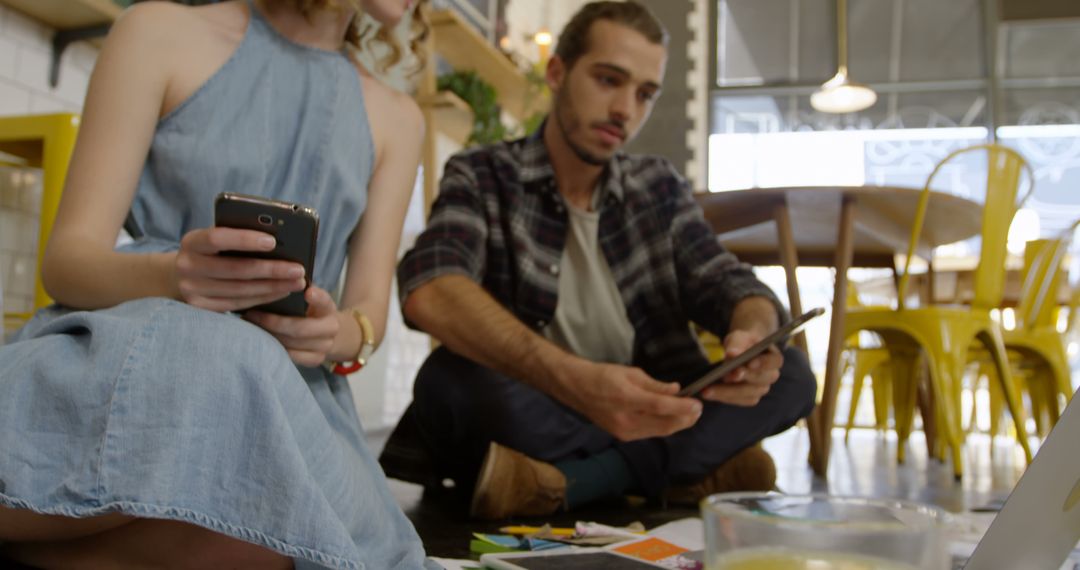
(394,116)
(167,25)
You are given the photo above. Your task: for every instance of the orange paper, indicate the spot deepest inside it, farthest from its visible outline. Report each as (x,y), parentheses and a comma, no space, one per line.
(651,550)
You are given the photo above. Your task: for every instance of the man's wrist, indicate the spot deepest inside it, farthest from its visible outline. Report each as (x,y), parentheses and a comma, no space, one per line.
(560,371)
(755,314)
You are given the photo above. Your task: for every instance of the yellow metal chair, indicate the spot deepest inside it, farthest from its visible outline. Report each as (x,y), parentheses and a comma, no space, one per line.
(1035,345)
(943,334)
(864,362)
(45,142)
(1036,337)
(872,363)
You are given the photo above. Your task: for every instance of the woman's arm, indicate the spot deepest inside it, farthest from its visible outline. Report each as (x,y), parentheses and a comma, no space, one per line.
(122,108)
(138,79)
(398,130)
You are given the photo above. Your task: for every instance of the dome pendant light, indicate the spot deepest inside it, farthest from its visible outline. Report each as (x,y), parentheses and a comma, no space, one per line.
(840,94)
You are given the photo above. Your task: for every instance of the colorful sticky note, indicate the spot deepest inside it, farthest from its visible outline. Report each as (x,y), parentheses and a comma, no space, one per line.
(651,549)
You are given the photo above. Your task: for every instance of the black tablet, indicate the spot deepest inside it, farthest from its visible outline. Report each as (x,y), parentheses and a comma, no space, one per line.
(716,372)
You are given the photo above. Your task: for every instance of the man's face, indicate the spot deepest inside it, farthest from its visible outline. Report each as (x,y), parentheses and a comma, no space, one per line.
(602,101)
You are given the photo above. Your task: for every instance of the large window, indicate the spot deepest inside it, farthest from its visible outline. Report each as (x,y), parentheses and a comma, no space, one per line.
(938,89)
(947,74)
(484,14)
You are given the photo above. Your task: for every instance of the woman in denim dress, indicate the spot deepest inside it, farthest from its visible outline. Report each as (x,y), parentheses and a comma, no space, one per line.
(148,418)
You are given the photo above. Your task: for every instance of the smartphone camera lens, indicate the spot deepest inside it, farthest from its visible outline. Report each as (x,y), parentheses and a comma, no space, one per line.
(266,220)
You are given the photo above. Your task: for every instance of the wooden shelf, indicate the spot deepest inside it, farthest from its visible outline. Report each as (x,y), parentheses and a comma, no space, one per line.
(465,49)
(1045,10)
(67,14)
(452,115)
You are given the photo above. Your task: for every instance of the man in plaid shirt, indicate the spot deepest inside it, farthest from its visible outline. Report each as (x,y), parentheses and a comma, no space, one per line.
(560,276)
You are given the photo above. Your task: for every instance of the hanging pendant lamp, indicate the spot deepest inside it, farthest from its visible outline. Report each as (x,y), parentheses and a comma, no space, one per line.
(840,94)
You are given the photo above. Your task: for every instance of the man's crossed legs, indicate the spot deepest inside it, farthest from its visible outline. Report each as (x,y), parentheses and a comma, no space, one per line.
(546,455)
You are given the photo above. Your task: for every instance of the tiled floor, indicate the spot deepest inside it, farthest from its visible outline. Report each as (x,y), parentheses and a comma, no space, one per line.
(865,466)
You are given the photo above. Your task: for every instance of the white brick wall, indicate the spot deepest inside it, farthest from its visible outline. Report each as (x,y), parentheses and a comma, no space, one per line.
(25,55)
(20,207)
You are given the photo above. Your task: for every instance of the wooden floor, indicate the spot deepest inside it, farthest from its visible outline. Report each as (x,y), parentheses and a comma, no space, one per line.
(866,466)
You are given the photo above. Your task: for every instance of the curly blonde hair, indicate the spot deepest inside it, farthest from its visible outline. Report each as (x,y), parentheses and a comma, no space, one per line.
(363,37)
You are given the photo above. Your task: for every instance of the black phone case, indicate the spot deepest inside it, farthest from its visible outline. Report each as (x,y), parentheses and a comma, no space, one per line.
(294,226)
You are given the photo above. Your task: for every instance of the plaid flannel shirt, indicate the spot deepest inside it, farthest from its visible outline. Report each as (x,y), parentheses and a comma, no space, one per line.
(500,221)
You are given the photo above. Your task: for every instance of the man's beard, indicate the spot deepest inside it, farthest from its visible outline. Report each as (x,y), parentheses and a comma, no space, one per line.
(583,155)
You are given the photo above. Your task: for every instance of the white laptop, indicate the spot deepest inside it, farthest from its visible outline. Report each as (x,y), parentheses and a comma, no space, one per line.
(1039,525)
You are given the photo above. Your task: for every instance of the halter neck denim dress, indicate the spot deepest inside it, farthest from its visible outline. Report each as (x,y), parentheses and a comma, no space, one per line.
(157,409)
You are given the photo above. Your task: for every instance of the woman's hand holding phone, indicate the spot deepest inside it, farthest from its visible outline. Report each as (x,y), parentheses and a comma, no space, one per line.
(746,385)
(308,339)
(223,283)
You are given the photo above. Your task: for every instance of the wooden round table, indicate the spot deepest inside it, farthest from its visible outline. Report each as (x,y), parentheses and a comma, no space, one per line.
(837,226)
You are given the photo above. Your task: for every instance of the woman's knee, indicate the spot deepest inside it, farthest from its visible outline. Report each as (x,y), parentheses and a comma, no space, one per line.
(142,543)
(202,548)
(224,346)
(211,331)
(21,525)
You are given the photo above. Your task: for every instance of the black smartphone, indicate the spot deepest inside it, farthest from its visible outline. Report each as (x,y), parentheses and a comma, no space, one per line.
(717,371)
(294,226)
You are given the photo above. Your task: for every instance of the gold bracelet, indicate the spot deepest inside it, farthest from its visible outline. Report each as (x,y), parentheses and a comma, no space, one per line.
(367,345)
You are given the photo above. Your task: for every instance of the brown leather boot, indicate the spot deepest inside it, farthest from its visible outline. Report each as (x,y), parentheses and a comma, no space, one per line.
(510,483)
(751,469)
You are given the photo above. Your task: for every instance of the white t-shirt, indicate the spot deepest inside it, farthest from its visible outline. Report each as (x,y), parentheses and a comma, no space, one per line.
(590,319)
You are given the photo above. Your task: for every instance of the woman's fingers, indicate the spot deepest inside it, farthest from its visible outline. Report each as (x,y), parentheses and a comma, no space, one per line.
(238,268)
(320,303)
(220,289)
(232,283)
(223,305)
(302,332)
(308,339)
(307,358)
(211,241)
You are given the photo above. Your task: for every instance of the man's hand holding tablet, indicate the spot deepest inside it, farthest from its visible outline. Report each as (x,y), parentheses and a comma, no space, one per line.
(720,370)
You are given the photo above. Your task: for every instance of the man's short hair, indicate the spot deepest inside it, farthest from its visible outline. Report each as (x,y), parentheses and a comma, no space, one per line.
(573,41)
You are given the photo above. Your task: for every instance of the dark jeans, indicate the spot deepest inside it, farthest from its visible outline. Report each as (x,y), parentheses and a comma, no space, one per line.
(460,406)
